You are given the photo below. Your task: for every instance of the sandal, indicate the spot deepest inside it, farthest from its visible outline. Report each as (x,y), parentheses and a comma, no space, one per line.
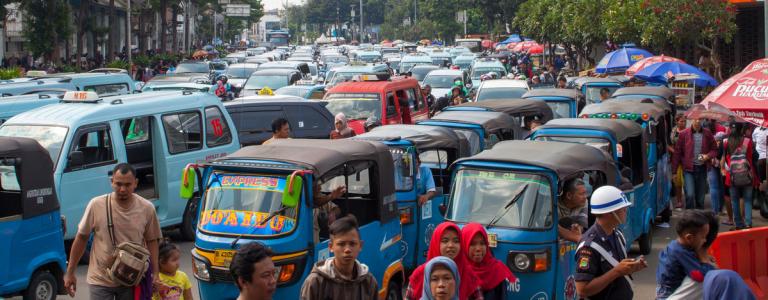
(727,223)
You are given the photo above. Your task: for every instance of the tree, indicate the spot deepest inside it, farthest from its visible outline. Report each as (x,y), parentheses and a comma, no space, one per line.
(46,27)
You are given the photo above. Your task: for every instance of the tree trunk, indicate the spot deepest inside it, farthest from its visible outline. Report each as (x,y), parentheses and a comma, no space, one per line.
(163,26)
(715,56)
(83,15)
(113,32)
(174,30)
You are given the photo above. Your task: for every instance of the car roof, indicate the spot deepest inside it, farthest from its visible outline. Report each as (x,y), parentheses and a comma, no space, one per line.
(619,129)
(554,92)
(584,80)
(268,99)
(274,72)
(500,83)
(114,107)
(567,160)
(486,63)
(446,72)
(244,65)
(371,86)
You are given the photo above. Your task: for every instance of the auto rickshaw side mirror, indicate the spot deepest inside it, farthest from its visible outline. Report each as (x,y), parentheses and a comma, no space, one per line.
(443,209)
(187,188)
(292,190)
(76,159)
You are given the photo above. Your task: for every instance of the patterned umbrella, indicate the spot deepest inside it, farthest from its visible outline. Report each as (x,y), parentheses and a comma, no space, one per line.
(757,65)
(620,60)
(746,94)
(641,64)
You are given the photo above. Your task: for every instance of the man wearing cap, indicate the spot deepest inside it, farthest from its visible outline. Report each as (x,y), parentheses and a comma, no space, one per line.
(602,267)
(530,124)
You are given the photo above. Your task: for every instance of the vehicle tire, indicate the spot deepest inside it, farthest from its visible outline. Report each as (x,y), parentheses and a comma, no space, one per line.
(764,205)
(646,241)
(394,291)
(189,220)
(43,286)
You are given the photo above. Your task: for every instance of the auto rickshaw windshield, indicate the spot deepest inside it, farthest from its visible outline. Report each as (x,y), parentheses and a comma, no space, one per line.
(560,109)
(599,143)
(593,93)
(501,198)
(241,204)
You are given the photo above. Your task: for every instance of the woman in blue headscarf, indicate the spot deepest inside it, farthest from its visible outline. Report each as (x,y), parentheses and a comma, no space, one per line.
(441,279)
(726,285)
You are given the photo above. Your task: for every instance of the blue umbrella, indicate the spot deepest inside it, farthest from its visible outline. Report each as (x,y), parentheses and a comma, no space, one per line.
(620,60)
(515,38)
(660,73)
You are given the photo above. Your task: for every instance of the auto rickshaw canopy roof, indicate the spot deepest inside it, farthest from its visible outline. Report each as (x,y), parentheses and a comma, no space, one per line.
(489,120)
(654,109)
(422,136)
(565,159)
(579,82)
(619,129)
(34,171)
(515,107)
(659,91)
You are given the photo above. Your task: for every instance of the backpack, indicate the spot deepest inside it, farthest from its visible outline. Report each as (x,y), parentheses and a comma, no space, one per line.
(741,172)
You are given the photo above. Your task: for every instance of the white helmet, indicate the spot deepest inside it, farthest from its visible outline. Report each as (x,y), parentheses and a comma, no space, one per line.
(607,199)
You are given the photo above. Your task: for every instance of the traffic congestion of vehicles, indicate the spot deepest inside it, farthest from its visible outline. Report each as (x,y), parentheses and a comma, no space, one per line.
(498,149)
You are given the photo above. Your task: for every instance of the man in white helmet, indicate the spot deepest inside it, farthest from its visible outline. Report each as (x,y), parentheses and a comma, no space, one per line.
(602,267)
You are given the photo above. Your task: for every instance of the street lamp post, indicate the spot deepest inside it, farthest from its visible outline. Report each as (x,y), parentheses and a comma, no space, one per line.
(128,34)
(362,29)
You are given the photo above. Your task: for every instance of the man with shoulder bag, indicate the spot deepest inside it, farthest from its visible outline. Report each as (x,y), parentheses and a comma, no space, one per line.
(126,233)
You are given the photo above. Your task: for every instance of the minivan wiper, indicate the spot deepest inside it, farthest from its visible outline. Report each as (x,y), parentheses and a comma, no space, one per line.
(503,212)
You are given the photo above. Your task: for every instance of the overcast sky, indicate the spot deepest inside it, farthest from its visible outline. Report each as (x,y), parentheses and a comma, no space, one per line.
(272,4)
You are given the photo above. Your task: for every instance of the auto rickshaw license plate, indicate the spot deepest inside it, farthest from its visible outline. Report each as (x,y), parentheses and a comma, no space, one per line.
(492,240)
(223,257)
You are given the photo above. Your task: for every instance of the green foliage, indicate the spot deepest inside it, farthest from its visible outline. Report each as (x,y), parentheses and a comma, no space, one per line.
(46,25)
(119,64)
(10,73)
(142,61)
(69,69)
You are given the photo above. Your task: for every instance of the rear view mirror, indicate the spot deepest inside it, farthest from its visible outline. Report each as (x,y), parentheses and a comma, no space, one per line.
(76,159)
(187,188)
(407,167)
(292,190)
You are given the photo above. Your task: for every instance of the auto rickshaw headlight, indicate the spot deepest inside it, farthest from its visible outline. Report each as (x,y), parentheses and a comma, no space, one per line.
(522,262)
(200,269)
(285,273)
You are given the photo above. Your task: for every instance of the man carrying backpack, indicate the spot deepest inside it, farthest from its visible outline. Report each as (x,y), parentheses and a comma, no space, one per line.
(694,149)
(738,168)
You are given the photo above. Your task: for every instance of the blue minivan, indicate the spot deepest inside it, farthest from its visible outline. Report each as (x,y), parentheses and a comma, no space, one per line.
(105,84)
(158,133)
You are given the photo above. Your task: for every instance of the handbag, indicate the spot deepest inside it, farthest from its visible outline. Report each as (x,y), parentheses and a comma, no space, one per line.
(131,260)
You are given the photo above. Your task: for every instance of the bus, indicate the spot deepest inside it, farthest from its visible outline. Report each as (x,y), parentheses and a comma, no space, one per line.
(278,37)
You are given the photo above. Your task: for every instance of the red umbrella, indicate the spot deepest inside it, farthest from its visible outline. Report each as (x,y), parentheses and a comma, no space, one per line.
(512,45)
(536,49)
(486,43)
(746,94)
(524,46)
(757,65)
(641,64)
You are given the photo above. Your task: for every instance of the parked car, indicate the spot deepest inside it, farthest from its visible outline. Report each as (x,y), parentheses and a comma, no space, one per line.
(273,79)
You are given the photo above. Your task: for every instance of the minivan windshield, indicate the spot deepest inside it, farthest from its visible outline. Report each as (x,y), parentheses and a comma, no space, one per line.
(50,137)
(238,72)
(356,106)
(501,198)
(239,204)
(441,81)
(192,68)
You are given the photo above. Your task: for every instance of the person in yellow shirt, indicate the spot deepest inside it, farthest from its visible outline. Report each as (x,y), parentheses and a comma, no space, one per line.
(174,284)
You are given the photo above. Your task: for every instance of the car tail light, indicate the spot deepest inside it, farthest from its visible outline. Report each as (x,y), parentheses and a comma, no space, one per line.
(528,261)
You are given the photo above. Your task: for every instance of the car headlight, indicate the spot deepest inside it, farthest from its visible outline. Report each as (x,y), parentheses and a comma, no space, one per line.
(522,262)
(200,269)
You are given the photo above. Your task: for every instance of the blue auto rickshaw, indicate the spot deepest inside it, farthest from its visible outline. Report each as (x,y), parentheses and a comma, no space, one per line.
(32,257)
(565,103)
(591,87)
(482,128)
(518,109)
(627,143)
(656,119)
(437,148)
(657,93)
(513,190)
(265,193)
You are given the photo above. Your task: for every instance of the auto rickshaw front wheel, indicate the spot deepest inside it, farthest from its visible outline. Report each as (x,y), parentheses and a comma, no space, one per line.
(189,219)
(646,241)
(43,286)
(394,291)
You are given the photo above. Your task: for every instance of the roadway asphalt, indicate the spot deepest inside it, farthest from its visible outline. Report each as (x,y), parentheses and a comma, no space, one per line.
(645,280)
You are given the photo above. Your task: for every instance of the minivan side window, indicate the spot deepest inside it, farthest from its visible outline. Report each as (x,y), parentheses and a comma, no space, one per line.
(96,145)
(305,118)
(109,89)
(183,131)
(391,110)
(10,193)
(217,131)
